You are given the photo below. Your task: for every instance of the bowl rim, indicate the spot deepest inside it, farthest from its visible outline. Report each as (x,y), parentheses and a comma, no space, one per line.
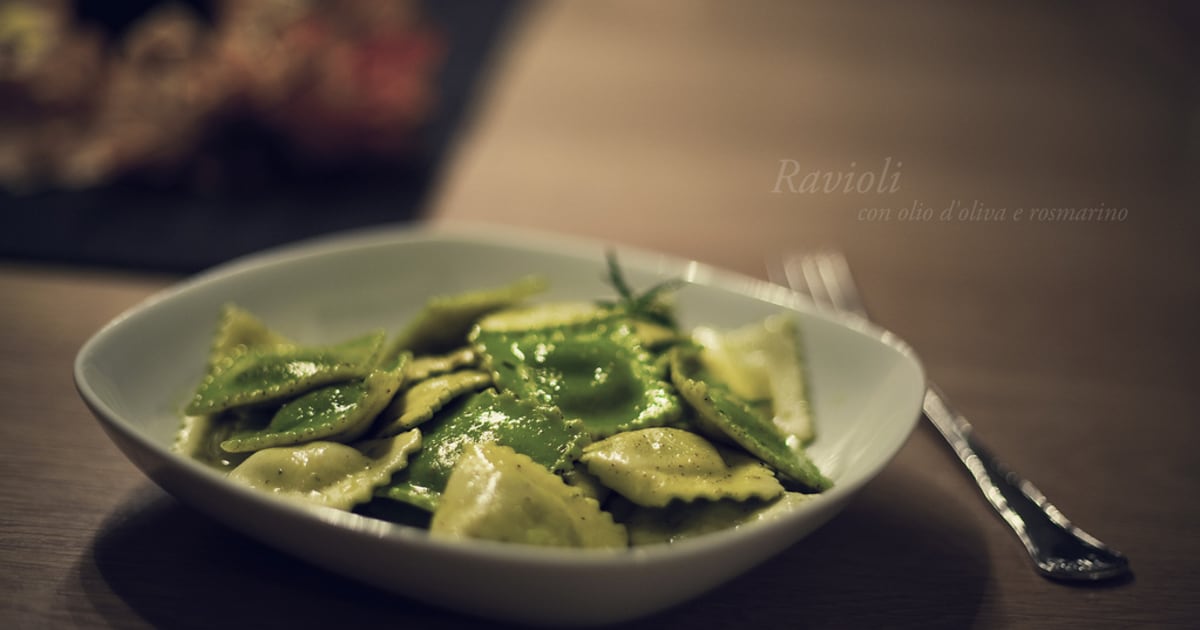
(541,242)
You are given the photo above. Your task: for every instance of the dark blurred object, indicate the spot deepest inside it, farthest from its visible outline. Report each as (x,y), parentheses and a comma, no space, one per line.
(175,136)
(331,82)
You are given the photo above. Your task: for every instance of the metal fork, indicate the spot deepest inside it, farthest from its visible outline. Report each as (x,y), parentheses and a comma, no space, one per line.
(1059,549)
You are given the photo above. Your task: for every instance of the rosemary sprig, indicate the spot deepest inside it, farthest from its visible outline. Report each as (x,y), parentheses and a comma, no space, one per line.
(648,304)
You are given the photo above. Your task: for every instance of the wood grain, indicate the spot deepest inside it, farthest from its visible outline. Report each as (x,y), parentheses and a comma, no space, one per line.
(1071,345)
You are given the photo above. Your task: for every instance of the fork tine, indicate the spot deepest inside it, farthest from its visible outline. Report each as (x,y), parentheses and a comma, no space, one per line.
(834,271)
(825,276)
(810,280)
(810,272)
(796,274)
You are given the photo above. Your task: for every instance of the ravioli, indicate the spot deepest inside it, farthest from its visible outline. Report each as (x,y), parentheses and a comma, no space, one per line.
(425,366)
(341,412)
(761,362)
(445,321)
(239,330)
(599,375)
(653,467)
(539,432)
(545,317)
(256,376)
(496,493)
(422,400)
(200,437)
(579,477)
(718,409)
(327,473)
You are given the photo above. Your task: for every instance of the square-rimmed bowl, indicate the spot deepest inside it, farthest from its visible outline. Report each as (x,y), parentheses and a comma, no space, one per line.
(136,373)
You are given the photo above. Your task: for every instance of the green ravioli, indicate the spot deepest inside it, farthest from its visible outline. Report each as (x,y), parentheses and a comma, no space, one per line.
(340,412)
(486,417)
(239,330)
(445,321)
(597,374)
(718,409)
(759,363)
(422,400)
(260,375)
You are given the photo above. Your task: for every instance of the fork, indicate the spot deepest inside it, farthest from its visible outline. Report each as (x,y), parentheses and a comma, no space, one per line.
(1059,549)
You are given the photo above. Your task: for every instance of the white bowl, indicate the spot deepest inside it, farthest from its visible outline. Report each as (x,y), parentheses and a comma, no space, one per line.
(136,373)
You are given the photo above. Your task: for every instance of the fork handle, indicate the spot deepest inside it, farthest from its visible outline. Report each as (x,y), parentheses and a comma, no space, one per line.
(1058,548)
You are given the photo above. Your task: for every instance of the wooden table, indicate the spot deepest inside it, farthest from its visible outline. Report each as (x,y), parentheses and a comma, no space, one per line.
(1070,344)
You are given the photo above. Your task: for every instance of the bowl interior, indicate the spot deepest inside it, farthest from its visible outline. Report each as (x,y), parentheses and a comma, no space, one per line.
(138,371)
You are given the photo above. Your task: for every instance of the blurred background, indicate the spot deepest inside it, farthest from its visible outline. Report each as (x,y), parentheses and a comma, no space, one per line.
(1014,183)
(175,135)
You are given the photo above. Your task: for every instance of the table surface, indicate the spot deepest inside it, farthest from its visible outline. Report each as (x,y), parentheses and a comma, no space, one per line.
(1070,344)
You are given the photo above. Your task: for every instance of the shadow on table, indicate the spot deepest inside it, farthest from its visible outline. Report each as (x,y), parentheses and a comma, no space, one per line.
(177,568)
(901,554)
(174,567)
